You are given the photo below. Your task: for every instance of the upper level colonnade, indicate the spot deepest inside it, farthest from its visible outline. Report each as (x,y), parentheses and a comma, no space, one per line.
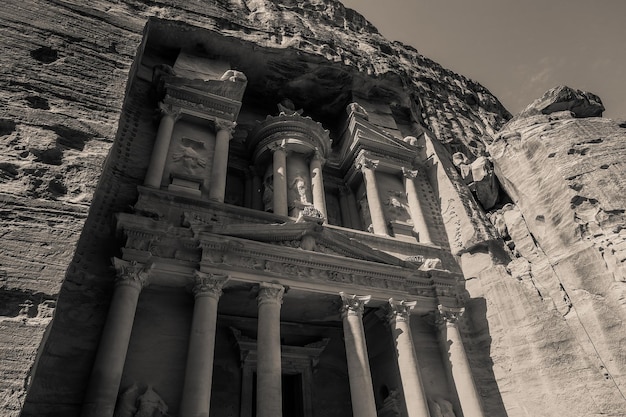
(371,178)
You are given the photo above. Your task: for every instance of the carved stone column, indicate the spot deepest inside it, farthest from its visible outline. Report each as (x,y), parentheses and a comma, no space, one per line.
(199,372)
(461,372)
(108,366)
(154,175)
(367,167)
(279,157)
(398,314)
(317,184)
(417,215)
(219,169)
(269,375)
(361,388)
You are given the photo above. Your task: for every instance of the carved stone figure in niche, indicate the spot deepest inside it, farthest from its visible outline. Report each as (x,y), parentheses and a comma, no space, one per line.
(190,158)
(365,214)
(397,207)
(150,404)
(287,108)
(479,176)
(268,189)
(125,406)
(298,192)
(441,408)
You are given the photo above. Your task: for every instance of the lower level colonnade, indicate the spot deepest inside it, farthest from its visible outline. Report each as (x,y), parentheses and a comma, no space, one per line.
(196,396)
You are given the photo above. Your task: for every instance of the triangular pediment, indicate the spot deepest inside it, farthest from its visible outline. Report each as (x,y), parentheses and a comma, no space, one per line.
(307,236)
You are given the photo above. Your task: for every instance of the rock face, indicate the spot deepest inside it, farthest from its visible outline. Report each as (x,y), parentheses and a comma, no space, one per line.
(545,307)
(563,98)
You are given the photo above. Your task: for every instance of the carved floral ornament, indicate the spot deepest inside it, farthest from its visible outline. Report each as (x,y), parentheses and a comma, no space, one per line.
(167,109)
(131,273)
(449,315)
(399,310)
(208,284)
(410,173)
(225,125)
(270,293)
(353,305)
(365,162)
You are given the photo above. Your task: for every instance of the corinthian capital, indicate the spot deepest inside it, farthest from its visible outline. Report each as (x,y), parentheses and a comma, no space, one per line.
(353,305)
(131,273)
(277,146)
(409,173)
(399,310)
(225,125)
(208,284)
(166,109)
(450,315)
(363,162)
(270,293)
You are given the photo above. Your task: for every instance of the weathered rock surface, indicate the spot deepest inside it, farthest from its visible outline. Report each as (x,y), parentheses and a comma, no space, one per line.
(564,175)
(544,334)
(563,98)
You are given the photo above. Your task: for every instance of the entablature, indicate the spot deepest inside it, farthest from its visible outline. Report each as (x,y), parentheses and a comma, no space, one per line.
(175,252)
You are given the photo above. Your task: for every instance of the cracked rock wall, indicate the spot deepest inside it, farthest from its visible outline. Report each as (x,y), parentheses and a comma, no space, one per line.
(565,177)
(544,328)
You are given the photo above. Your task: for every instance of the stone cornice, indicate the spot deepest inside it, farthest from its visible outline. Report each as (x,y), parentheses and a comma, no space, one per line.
(360,135)
(203,105)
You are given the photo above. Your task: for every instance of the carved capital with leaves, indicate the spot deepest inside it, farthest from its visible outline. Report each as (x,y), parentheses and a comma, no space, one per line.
(449,315)
(409,173)
(353,305)
(399,310)
(170,110)
(131,273)
(222,125)
(207,284)
(270,293)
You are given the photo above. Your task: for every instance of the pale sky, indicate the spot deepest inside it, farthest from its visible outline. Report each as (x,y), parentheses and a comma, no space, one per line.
(518,49)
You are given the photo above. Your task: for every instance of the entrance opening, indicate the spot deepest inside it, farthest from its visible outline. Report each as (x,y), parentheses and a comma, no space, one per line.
(293,405)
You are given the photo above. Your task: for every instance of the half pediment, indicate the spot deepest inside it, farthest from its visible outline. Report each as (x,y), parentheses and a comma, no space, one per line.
(305,235)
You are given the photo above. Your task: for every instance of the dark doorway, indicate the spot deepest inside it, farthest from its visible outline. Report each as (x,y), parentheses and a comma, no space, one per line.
(293,405)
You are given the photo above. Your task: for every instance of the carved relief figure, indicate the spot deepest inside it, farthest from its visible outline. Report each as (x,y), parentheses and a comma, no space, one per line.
(125,406)
(150,404)
(190,158)
(298,192)
(268,189)
(396,206)
(441,408)
(365,214)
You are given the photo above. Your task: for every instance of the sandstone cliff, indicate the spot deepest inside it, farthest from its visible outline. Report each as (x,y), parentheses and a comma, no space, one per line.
(537,339)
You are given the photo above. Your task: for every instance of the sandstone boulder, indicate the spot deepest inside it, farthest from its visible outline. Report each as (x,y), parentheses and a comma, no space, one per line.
(563,98)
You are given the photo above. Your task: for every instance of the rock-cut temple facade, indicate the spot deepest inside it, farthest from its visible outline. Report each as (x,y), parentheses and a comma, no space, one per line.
(300,222)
